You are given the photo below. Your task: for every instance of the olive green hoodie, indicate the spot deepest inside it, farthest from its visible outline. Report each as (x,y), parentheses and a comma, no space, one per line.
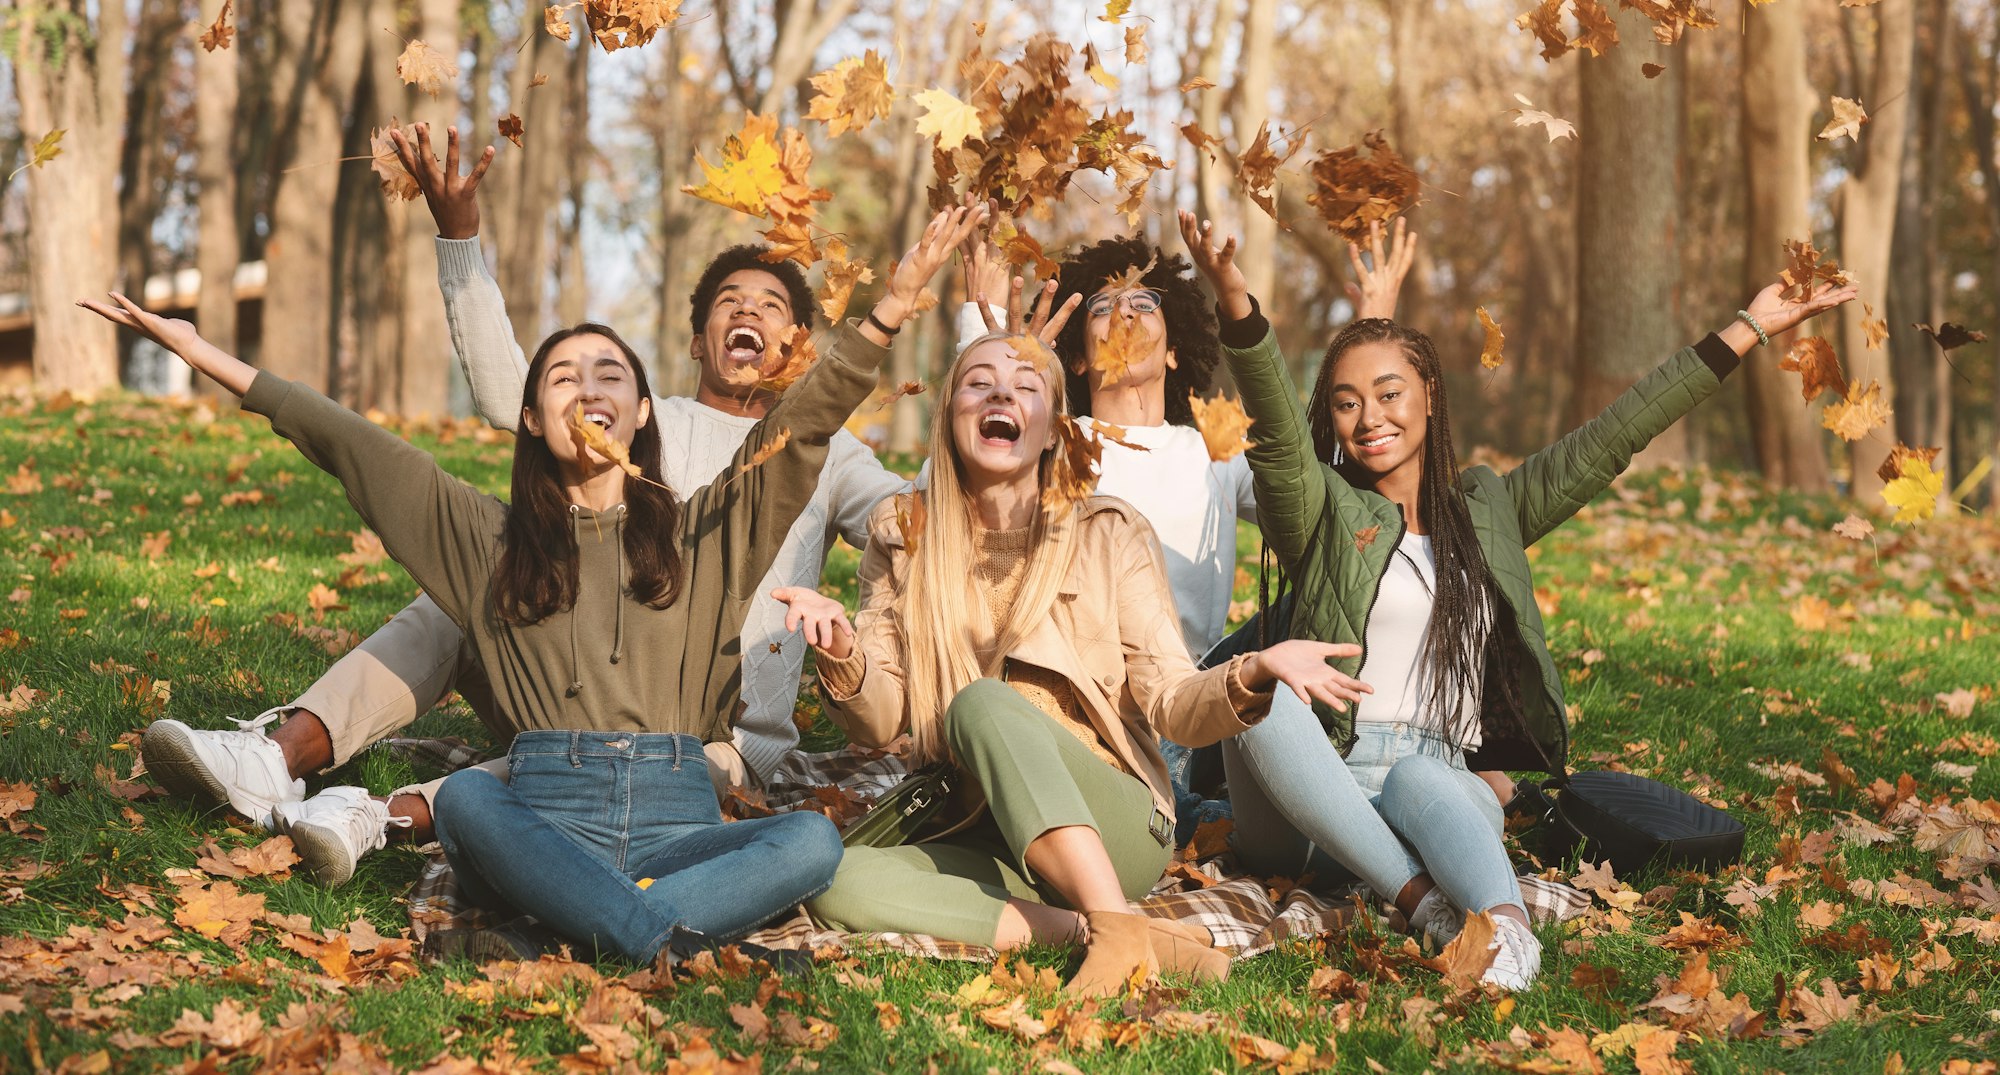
(609,663)
(1310,515)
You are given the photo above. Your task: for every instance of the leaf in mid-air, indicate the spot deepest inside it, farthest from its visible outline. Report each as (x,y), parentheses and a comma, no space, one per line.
(397,182)
(1950,336)
(511,130)
(839,279)
(1860,413)
(852,94)
(219,32)
(425,68)
(1352,191)
(1915,493)
(1812,358)
(1222,425)
(1490,354)
(1848,116)
(590,435)
(951,120)
(1552,125)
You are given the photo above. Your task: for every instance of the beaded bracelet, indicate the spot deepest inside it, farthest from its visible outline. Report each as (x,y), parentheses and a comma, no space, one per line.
(1762,337)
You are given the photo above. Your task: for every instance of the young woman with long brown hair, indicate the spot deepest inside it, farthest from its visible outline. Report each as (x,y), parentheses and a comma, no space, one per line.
(604,612)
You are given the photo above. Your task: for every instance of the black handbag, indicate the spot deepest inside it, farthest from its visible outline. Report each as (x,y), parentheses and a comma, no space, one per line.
(1631,821)
(899,816)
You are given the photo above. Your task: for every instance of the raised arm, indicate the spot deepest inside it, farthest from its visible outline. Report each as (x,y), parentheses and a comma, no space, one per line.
(1554,483)
(988,283)
(1378,282)
(755,502)
(1290,483)
(439,528)
(481,335)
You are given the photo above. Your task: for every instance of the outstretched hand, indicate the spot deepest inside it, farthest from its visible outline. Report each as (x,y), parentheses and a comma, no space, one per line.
(177,336)
(946,232)
(1300,664)
(1215,255)
(986,278)
(823,620)
(451,196)
(1778,314)
(1374,291)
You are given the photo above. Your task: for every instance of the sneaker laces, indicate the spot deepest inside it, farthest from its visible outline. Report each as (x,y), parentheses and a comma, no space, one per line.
(366,820)
(1517,953)
(258,722)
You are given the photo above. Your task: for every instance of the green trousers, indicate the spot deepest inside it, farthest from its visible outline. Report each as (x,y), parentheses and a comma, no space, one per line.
(1036,777)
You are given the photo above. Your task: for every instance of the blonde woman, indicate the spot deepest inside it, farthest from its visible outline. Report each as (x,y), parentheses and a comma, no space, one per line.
(1030,638)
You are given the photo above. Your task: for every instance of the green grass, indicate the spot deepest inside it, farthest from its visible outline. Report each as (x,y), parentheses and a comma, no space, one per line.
(1674,620)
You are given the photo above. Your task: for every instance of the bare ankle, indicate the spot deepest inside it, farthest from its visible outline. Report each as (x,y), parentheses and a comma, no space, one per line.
(1413,893)
(307,745)
(413,808)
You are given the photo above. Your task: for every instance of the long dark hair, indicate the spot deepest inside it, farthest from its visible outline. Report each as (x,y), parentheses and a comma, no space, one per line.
(538,554)
(1472,626)
(1190,319)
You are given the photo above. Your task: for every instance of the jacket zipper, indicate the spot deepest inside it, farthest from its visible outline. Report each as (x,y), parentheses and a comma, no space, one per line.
(1354,731)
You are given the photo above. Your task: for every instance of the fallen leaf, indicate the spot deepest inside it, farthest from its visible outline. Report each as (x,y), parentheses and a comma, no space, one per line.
(219,32)
(1365,537)
(1468,956)
(1854,528)
(1892,467)
(1876,328)
(1197,83)
(425,68)
(219,911)
(1848,116)
(1223,426)
(1490,353)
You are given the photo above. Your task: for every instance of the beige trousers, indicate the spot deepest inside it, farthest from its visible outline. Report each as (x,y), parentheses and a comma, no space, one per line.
(406,667)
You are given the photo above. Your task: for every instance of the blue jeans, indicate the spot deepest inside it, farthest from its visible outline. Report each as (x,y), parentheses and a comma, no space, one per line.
(1401,803)
(586,815)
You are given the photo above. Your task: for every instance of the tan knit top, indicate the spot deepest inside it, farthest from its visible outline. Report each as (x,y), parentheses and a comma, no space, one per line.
(1000,565)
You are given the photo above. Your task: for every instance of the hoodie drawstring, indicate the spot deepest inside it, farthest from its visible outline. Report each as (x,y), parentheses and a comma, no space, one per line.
(575,666)
(618,590)
(618,597)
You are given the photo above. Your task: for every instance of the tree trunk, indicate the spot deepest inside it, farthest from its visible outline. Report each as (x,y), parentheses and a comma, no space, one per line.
(1212,177)
(1627,231)
(218,249)
(1868,215)
(1917,280)
(70,75)
(572,287)
(1408,51)
(322,45)
(142,170)
(1777,107)
(526,182)
(422,354)
(1981,90)
(1253,107)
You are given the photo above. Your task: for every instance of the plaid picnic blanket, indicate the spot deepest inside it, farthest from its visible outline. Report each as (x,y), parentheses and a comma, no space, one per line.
(1244,914)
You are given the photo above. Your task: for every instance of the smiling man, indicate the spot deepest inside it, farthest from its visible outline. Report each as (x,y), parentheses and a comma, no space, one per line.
(740,309)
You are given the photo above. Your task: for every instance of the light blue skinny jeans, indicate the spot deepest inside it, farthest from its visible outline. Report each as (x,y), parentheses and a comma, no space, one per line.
(587,815)
(1401,803)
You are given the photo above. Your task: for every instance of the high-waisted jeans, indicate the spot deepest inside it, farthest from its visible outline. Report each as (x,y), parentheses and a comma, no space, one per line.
(1401,803)
(586,815)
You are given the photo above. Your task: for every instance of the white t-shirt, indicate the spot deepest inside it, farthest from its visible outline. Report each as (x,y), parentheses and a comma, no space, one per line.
(1397,626)
(1196,524)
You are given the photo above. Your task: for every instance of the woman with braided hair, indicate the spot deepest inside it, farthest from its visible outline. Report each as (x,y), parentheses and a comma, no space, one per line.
(1389,545)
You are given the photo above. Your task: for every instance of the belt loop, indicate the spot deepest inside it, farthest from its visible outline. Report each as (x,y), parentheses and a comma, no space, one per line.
(677,753)
(575,740)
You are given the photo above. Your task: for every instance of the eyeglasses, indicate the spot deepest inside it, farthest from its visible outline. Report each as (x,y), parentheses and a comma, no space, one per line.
(1143,300)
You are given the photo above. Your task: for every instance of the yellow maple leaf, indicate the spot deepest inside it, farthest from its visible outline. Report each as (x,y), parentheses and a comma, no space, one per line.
(748,174)
(1858,415)
(1222,425)
(46,150)
(1915,494)
(950,119)
(852,93)
(1489,355)
(1127,342)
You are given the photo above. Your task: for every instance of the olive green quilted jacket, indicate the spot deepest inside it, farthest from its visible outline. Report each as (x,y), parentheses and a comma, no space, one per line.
(1310,516)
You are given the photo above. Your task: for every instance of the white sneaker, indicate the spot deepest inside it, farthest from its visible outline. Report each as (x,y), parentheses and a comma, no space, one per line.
(244,769)
(332,830)
(1518,955)
(1437,918)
